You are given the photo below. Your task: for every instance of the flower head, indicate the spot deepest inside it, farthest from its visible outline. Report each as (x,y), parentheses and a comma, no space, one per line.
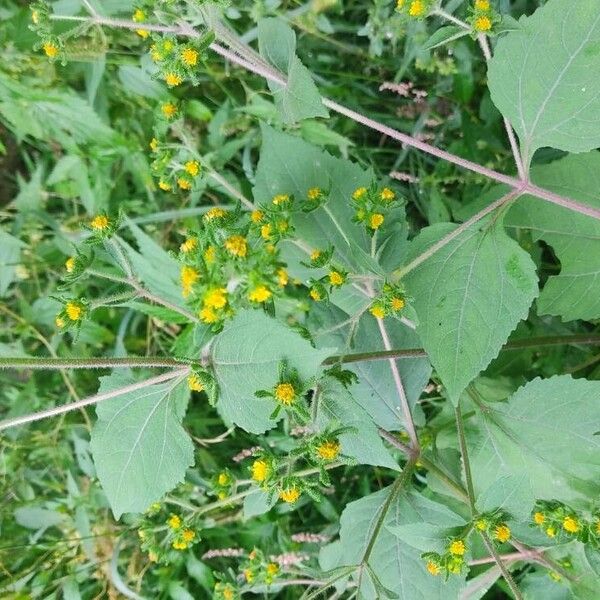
(377,311)
(315,254)
(265,231)
(188,535)
(168,110)
(329,450)
(256,216)
(387,195)
(179,545)
(99,222)
(285,393)
(192,167)
(539,518)
(571,524)
(417,8)
(551,531)
(457,547)
(272,569)
(208,315)
(50,49)
(194,383)
(174,522)
(214,213)
(336,278)
(260,293)
(237,245)
(172,79)
(210,254)
(432,567)
(260,470)
(59,322)
(375,221)
(482,4)
(70,264)
(190,57)
(74,310)
(314,193)
(289,494)
(280,199)
(282,277)
(502,533)
(164,186)
(189,245)
(188,277)
(482,23)
(153,144)
(143,33)
(359,193)
(139,16)
(184,183)
(223,478)
(315,294)
(397,303)
(215,298)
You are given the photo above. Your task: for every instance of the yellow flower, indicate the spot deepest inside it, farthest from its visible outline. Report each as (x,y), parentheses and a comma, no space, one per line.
(289,494)
(208,315)
(282,226)
(315,294)
(282,277)
(153,144)
(99,222)
(265,231)
(483,23)
(168,46)
(539,518)
(376,221)
(74,310)
(377,311)
(256,216)
(174,522)
(248,575)
(223,478)
(194,383)
(139,16)
(571,524)
(260,293)
(359,193)
(397,303)
(417,8)
(502,533)
(315,254)
(433,568)
(455,565)
(336,278)
(192,167)
(189,245)
(168,109)
(190,57)
(210,254)
(172,79)
(215,298)
(260,470)
(272,569)
(482,4)
(179,545)
(481,524)
(164,186)
(551,532)
(35,17)
(329,450)
(70,264)
(214,213)
(184,184)
(400,4)
(280,199)
(50,49)
(285,393)
(457,548)
(143,33)
(188,276)
(237,245)
(188,535)
(555,576)
(155,54)
(59,322)
(387,195)
(314,193)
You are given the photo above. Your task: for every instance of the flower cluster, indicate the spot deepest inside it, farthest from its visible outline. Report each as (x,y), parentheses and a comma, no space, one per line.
(72,313)
(482,16)
(494,524)
(51,44)
(102,228)
(371,205)
(258,569)
(557,520)
(416,9)
(223,483)
(391,301)
(201,380)
(451,562)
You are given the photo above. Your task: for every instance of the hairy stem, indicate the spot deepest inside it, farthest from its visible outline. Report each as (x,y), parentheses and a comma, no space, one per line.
(92,363)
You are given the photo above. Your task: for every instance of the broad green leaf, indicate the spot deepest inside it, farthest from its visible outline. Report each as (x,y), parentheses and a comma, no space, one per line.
(140,449)
(290,165)
(543,77)
(245,358)
(575,238)
(257,503)
(397,565)
(376,390)
(547,430)
(10,257)
(337,406)
(511,493)
(445,35)
(299,98)
(469,296)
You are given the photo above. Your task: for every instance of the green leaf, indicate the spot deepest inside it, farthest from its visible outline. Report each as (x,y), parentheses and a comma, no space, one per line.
(547,430)
(257,503)
(140,449)
(299,98)
(575,238)
(245,358)
(336,405)
(511,493)
(543,77)
(10,257)
(469,296)
(397,565)
(445,35)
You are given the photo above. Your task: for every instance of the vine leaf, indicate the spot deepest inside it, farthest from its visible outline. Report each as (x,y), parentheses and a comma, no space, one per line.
(299,99)
(245,358)
(548,430)
(575,238)
(140,449)
(543,77)
(469,296)
(393,563)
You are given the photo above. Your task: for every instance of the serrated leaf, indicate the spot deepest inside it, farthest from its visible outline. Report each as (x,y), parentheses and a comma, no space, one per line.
(140,449)
(548,430)
(299,98)
(337,406)
(469,296)
(245,358)
(575,238)
(543,77)
(396,564)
